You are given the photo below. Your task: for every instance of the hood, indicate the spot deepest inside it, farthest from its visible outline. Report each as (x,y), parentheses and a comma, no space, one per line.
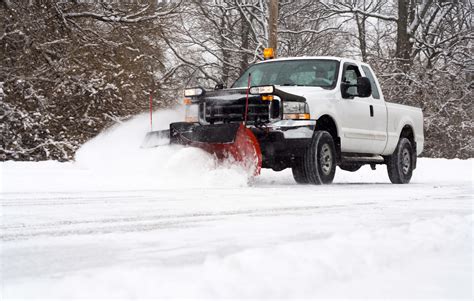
(307,92)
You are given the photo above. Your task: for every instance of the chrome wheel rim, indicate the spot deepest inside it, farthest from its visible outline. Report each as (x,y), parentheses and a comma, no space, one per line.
(406,161)
(325,159)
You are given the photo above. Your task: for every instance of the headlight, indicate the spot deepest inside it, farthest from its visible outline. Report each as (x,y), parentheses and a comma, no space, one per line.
(295,110)
(191,113)
(193,92)
(262,90)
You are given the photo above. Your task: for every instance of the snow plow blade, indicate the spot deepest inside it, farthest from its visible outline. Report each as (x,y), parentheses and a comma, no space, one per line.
(156,138)
(226,141)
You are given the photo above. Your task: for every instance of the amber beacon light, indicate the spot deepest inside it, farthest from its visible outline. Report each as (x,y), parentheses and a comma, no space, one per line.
(268,53)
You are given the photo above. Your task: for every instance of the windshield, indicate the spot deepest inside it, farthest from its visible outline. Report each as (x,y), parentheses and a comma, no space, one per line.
(314,73)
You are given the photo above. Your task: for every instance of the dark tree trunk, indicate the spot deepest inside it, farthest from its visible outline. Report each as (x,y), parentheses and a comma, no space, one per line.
(244,35)
(362,36)
(273,25)
(404,46)
(225,54)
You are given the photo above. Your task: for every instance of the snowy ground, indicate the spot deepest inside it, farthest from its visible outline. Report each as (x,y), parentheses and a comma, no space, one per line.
(123,222)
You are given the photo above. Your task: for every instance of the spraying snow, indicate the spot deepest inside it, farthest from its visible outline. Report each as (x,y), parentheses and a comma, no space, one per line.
(116,154)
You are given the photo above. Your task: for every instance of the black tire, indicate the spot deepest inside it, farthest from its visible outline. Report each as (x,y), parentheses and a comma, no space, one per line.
(320,159)
(299,173)
(350,166)
(401,163)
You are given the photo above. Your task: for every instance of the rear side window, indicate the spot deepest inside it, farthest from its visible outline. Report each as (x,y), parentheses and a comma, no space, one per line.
(370,76)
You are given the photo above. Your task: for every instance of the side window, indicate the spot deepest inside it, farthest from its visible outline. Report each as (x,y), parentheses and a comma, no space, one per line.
(350,75)
(370,76)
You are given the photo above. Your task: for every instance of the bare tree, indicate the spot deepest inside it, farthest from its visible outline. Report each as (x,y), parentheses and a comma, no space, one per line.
(70,69)
(231,34)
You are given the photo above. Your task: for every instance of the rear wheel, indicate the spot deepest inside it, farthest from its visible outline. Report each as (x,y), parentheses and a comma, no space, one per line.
(320,159)
(401,163)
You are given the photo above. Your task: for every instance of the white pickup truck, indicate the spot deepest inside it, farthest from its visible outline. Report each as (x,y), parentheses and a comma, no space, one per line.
(310,114)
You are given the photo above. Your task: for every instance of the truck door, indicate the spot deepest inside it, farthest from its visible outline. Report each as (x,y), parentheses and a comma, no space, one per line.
(378,118)
(356,124)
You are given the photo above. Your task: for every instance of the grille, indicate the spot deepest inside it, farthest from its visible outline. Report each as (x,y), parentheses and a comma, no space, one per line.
(257,112)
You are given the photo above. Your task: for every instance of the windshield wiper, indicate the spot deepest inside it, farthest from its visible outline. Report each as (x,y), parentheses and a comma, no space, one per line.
(288,85)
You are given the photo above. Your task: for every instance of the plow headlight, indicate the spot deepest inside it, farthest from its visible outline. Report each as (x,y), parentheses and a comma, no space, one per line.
(193,92)
(262,90)
(295,110)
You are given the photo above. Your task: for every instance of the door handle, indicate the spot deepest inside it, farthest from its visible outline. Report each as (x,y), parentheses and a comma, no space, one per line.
(371,111)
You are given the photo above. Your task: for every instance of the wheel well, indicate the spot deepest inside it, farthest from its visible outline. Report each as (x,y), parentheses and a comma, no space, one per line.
(407,132)
(326,123)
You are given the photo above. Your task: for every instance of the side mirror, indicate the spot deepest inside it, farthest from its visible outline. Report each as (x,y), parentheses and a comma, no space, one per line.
(345,90)
(364,88)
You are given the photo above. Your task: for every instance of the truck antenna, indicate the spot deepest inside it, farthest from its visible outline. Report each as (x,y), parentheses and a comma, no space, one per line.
(151,111)
(247,99)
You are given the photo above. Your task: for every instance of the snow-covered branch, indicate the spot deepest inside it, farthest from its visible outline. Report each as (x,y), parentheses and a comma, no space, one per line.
(134,17)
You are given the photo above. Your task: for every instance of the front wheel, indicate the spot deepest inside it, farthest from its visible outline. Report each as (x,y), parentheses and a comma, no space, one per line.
(320,159)
(299,173)
(401,163)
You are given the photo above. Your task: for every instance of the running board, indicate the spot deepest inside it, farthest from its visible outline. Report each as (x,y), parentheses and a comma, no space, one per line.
(365,159)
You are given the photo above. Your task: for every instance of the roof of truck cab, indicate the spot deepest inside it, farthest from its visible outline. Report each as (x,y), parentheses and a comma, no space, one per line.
(335,58)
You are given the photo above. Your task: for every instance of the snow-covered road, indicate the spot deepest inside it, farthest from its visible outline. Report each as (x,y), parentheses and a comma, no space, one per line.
(270,239)
(170,223)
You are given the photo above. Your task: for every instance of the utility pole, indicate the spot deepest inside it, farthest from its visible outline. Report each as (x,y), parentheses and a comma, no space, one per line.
(273,25)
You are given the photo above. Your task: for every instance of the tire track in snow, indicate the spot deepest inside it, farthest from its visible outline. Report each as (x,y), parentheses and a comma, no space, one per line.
(139,224)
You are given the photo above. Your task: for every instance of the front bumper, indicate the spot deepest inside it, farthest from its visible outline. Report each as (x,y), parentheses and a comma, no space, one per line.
(283,141)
